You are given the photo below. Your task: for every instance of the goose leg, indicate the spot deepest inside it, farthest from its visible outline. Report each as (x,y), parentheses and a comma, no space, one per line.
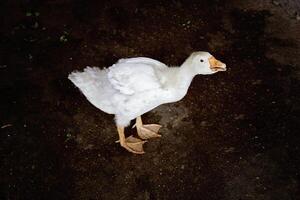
(148,130)
(132,144)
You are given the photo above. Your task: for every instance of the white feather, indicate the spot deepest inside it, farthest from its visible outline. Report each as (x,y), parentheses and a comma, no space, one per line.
(131,78)
(94,84)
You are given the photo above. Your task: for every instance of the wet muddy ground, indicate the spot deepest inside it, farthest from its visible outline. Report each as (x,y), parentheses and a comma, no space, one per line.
(234,136)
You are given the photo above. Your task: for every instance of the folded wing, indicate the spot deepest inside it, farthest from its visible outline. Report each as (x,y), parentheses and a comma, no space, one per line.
(130,76)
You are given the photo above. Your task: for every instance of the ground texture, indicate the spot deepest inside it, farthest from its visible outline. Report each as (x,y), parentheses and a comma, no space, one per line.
(234,136)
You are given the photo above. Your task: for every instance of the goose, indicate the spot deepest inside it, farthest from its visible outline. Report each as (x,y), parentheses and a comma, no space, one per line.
(133,86)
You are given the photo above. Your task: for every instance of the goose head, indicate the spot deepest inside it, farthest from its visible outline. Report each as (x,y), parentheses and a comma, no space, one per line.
(202,62)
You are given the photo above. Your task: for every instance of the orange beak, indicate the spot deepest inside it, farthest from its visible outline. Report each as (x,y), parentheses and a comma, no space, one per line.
(216,65)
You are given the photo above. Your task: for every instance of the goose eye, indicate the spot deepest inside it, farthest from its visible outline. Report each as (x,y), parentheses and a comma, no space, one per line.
(201,60)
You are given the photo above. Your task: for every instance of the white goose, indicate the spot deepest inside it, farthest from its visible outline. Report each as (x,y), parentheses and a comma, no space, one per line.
(134,86)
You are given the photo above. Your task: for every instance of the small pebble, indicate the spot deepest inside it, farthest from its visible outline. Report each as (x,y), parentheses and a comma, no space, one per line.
(275,2)
(28,14)
(6,125)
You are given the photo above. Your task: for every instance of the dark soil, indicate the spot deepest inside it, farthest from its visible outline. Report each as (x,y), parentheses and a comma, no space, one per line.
(234,136)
